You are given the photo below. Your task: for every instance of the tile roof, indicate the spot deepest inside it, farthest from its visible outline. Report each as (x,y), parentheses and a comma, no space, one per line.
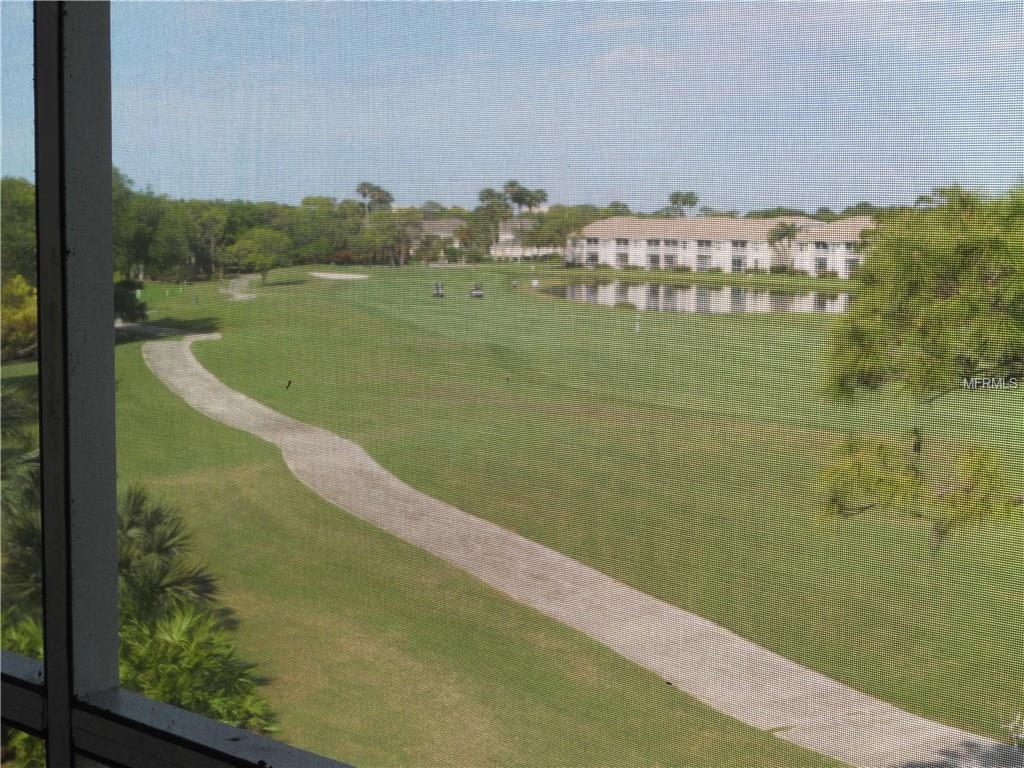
(838,231)
(440,227)
(724,228)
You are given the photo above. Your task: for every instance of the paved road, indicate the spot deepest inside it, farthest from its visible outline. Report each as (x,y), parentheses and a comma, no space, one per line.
(723,670)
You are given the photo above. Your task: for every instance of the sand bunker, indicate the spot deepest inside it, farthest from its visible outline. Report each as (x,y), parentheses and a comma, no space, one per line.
(338,275)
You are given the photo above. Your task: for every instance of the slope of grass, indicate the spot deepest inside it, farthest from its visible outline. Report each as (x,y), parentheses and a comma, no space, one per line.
(682,459)
(380,654)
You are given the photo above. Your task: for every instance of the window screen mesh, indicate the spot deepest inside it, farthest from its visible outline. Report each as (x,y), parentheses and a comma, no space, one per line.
(569,384)
(20,539)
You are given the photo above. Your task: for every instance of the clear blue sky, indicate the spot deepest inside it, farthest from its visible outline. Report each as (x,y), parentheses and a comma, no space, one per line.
(747,104)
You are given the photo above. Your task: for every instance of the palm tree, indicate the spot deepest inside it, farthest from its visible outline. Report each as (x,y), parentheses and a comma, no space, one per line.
(155,571)
(784,232)
(377,198)
(153,553)
(516,193)
(535,198)
(175,643)
(495,208)
(680,201)
(365,189)
(199,668)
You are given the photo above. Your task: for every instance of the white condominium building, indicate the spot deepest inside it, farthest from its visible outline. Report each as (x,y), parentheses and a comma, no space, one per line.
(713,243)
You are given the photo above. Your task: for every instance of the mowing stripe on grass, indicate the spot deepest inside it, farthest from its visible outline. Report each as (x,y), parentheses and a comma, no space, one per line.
(715,666)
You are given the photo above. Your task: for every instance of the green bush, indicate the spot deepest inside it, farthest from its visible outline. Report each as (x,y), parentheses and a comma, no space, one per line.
(127,306)
(20,318)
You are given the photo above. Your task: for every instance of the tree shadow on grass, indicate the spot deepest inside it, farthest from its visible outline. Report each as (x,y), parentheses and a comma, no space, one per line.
(24,383)
(971,754)
(164,327)
(282,283)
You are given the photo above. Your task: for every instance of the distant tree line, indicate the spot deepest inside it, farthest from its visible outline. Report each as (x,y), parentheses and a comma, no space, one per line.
(159,237)
(156,237)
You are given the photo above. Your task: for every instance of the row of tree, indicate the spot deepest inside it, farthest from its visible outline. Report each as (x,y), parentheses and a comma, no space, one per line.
(159,237)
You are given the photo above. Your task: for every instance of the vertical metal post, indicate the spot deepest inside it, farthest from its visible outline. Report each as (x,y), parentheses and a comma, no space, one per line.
(76,366)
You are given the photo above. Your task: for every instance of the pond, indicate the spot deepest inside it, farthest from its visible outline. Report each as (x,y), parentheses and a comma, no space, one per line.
(704,299)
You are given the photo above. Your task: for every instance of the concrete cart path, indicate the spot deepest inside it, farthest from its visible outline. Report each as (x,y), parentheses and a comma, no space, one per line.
(338,276)
(721,669)
(236,287)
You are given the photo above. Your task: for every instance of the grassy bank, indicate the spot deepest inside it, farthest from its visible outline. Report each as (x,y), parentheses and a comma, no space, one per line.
(682,459)
(380,654)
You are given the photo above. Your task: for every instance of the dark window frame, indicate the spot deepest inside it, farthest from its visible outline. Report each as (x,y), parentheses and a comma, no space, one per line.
(72,699)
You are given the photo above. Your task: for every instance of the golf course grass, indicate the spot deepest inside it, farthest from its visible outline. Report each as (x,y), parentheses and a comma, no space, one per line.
(682,458)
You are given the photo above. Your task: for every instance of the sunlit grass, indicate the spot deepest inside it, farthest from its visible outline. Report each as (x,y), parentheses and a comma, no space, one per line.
(683,458)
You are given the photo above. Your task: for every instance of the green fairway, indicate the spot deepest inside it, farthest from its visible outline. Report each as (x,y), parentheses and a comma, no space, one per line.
(682,458)
(380,654)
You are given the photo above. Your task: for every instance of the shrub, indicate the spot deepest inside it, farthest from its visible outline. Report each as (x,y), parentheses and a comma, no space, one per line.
(127,306)
(684,268)
(20,318)
(715,270)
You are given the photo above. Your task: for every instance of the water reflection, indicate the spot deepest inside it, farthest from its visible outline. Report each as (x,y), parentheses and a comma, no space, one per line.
(704,299)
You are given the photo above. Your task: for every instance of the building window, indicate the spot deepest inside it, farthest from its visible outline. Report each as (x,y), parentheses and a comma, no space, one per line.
(820,245)
(702,299)
(851,265)
(592,258)
(738,300)
(622,242)
(670,259)
(653,243)
(653,260)
(821,265)
(703,262)
(593,241)
(703,243)
(621,259)
(738,264)
(739,244)
(671,243)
